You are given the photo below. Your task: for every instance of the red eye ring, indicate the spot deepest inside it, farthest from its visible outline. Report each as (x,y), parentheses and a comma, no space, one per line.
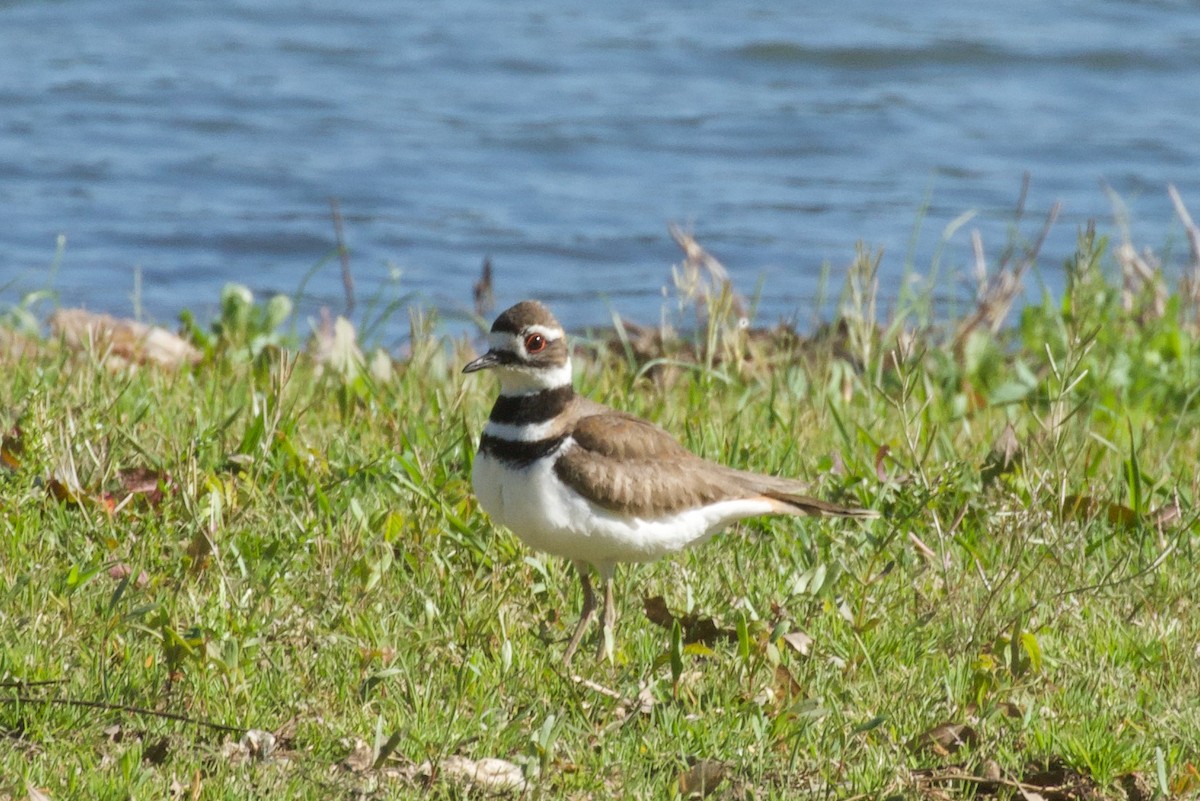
(535,343)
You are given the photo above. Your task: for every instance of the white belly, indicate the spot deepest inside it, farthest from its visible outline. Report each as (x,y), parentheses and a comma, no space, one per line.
(549,516)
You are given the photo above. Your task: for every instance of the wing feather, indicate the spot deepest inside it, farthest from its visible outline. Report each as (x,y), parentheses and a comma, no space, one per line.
(622,462)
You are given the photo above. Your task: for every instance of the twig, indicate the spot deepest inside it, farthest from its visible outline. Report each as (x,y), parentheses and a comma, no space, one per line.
(344,255)
(133,710)
(967,777)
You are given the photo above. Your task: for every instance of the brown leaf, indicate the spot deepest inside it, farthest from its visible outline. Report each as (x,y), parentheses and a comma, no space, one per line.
(1060,782)
(881,456)
(1011,710)
(143,483)
(156,753)
(1186,782)
(701,778)
(12,448)
(201,547)
(800,641)
(786,687)
(361,757)
(657,612)
(704,630)
(1136,787)
(945,739)
(121,571)
(695,629)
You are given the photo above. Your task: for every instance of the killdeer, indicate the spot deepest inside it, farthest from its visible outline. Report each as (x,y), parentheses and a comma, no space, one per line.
(579,480)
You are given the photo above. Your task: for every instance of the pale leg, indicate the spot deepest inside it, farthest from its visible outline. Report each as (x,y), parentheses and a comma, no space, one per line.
(589,609)
(606,648)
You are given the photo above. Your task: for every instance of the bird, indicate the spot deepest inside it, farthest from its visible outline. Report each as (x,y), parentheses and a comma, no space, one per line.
(580,480)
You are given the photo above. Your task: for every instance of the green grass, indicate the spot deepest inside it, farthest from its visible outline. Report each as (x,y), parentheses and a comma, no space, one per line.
(317,568)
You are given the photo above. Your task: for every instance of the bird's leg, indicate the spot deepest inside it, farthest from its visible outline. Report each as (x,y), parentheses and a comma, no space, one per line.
(585,615)
(606,648)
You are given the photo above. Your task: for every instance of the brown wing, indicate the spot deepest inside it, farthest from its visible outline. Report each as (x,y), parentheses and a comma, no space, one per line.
(622,462)
(619,461)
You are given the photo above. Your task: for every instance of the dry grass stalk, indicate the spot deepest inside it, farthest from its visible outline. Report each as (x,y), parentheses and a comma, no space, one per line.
(1141,278)
(1191,281)
(701,278)
(995,294)
(485,297)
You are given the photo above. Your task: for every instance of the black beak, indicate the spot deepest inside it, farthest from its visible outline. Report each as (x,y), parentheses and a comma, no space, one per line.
(489,359)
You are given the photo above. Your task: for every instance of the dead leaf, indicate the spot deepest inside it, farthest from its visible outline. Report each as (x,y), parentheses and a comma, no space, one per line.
(259,744)
(201,547)
(643,704)
(497,775)
(143,483)
(657,612)
(1011,710)
(786,687)
(881,456)
(156,753)
(234,752)
(12,448)
(1136,787)
(701,778)
(1060,782)
(121,571)
(945,739)
(36,794)
(695,629)
(120,342)
(361,757)
(65,491)
(800,641)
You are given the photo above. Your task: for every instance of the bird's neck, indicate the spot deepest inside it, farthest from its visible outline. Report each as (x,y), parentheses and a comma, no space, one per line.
(518,382)
(531,408)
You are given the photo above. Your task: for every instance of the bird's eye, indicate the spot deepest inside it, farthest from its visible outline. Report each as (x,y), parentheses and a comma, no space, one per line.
(535,343)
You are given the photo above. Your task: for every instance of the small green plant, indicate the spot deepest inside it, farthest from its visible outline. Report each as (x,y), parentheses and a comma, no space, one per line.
(245,328)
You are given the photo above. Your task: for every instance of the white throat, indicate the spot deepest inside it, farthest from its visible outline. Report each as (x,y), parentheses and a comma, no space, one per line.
(528,380)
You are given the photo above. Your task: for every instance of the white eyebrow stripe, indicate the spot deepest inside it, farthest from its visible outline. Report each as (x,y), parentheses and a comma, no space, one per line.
(546,331)
(503,340)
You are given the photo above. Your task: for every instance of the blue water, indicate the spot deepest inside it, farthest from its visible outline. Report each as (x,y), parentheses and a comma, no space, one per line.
(179,145)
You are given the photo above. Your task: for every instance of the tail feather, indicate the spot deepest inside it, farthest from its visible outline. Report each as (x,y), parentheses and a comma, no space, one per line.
(790,503)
